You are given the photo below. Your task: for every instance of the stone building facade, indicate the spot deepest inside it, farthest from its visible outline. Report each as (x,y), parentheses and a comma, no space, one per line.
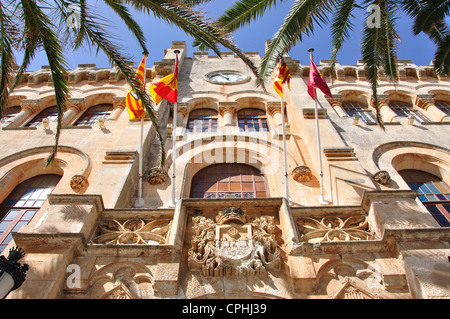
(381,233)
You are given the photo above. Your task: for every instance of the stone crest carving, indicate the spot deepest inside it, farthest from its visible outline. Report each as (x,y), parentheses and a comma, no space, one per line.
(382,177)
(302,173)
(233,244)
(78,182)
(156,176)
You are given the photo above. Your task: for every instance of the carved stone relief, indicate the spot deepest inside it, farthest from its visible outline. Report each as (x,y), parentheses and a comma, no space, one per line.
(382,177)
(233,244)
(133,231)
(120,280)
(332,228)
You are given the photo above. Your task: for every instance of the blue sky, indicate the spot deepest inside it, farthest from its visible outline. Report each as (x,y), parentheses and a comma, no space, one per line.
(160,35)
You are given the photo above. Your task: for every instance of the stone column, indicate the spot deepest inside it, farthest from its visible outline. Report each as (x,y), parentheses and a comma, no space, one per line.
(74,107)
(383,104)
(28,108)
(118,107)
(336,103)
(227,111)
(182,112)
(427,102)
(274,110)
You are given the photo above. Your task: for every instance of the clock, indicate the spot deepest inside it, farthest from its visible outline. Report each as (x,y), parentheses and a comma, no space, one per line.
(226,77)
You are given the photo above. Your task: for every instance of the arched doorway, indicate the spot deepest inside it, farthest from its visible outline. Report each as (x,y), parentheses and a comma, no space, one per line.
(432,191)
(229,181)
(22,204)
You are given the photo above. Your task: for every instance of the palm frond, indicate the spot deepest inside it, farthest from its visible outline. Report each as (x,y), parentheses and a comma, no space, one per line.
(341,27)
(243,12)
(7,58)
(379,49)
(100,38)
(38,23)
(300,20)
(132,25)
(195,24)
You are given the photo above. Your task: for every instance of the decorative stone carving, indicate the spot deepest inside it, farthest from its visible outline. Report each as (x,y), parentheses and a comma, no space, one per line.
(332,228)
(156,176)
(349,290)
(302,173)
(233,245)
(133,231)
(382,177)
(78,182)
(121,280)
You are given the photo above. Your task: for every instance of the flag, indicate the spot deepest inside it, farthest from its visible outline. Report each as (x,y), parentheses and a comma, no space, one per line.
(284,76)
(132,101)
(166,88)
(316,80)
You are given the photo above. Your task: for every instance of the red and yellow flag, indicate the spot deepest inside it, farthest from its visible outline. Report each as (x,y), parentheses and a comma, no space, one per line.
(284,76)
(132,101)
(166,88)
(316,80)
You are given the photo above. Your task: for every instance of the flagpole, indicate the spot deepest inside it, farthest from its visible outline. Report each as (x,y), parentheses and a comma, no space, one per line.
(284,154)
(173,201)
(140,201)
(322,197)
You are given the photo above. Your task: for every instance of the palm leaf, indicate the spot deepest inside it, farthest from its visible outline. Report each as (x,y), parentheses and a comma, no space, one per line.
(100,38)
(194,24)
(7,58)
(245,11)
(341,26)
(39,24)
(378,49)
(301,18)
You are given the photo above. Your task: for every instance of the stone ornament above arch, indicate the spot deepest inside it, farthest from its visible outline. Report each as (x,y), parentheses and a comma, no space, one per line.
(394,156)
(73,164)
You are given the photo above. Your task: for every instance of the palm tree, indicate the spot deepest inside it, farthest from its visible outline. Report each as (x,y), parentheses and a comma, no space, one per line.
(378,43)
(30,25)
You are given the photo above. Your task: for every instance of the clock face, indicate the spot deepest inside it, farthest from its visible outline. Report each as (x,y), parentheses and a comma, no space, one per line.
(226,77)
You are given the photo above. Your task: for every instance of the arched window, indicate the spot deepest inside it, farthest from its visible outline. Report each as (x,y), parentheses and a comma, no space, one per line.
(252,120)
(432,191)
(50,113)
(22,204)
(93,114)
(11,112)
(444,106)
(404,109)
(229,181)
(357,108)
(202,120)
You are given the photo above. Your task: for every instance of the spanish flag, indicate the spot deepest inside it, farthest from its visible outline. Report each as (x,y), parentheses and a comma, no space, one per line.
(133,103)
(284,76)
(166,88)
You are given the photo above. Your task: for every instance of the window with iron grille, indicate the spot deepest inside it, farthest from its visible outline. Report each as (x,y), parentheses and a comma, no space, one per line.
(49,113)
(252,120)
(93,114)
(202,120)
(358,108)
(22,204)
(432,192)
(404,109)
(229,181)
(444,106)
